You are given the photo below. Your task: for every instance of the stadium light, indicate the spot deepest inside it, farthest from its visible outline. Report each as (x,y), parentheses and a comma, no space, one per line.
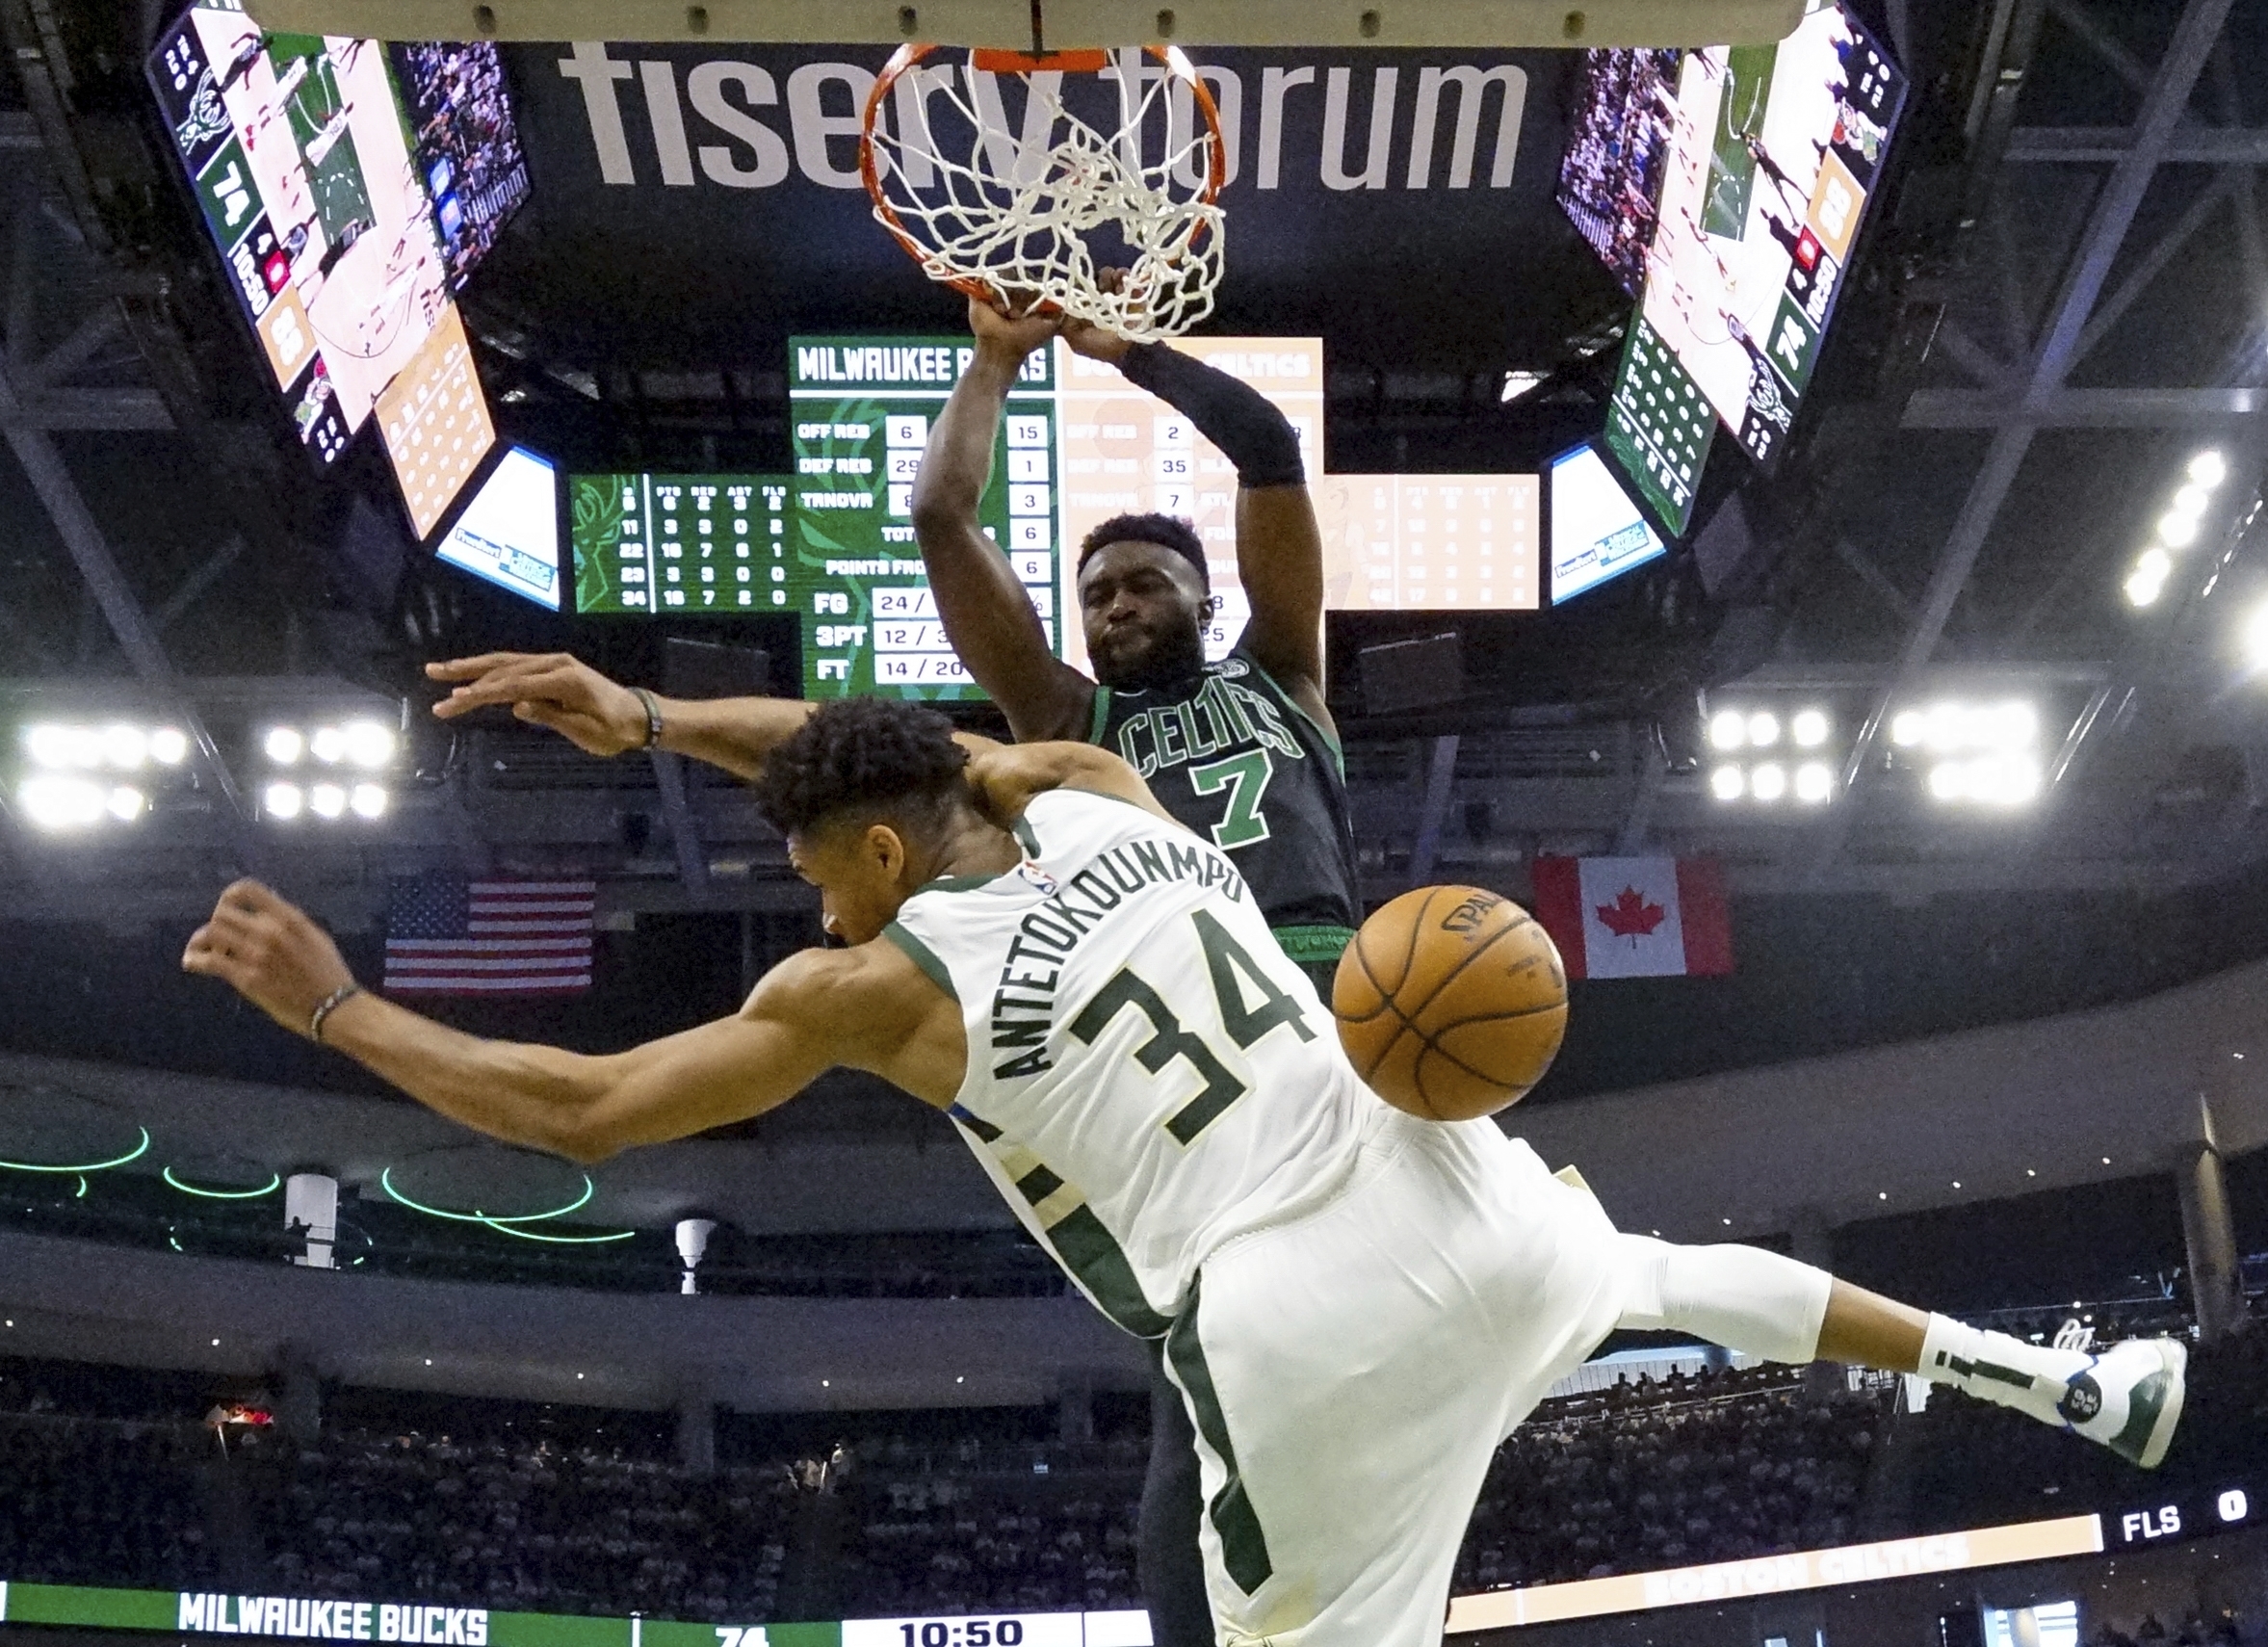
(1814,782)
(2255,639)
(369,744)
(2177,530)
(1728,783)
(327,801)
(1771,731)
(368,800)
(1811,728)
(2208,468)
(1768,783)
(281,800)
(284,746)
(1728,729)
(168,745)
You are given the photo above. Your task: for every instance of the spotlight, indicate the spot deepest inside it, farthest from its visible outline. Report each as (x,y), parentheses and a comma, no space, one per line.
(1810,729)
(2255,638)
(127,804)
(2143,589)
(281,800)
(48,744)
(2179,531)
(1948,780)
(2190,500)
(1909,728)
(284,746)
(168,746)
(368,743)
(1770,781)
(1763,729)
(2207,469)
(125,746)
(369,801)
(2154,563)
(1814,782)
(1727,783)
(328,745)
(2014,725)
(62,802)
(327,801)
(1728,729)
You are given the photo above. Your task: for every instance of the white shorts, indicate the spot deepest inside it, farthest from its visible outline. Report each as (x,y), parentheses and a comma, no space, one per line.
(1352,1374)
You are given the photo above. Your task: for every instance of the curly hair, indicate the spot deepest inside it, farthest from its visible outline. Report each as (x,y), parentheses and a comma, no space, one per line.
(861,754)
(1162,530)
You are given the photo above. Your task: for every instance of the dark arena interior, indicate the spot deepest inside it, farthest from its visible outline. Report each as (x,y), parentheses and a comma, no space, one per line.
(1786,513)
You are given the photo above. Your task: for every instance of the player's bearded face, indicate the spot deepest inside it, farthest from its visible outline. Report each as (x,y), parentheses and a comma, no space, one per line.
(860,873)
(1144,609)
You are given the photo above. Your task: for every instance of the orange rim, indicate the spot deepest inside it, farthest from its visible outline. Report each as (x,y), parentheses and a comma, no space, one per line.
(1086,61)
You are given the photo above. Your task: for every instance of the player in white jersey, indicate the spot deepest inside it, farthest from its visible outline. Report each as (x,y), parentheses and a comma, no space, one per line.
(1357,1305)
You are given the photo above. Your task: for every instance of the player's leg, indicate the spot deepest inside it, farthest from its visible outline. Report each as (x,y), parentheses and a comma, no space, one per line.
(2128,1398)
(1167,1560)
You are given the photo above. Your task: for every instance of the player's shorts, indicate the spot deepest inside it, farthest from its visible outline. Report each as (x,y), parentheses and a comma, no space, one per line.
(1352,1374)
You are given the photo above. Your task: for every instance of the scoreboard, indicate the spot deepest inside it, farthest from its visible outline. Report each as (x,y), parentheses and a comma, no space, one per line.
(1658,426)
(833,541)
(1124,451)
(860,411)
(715,544)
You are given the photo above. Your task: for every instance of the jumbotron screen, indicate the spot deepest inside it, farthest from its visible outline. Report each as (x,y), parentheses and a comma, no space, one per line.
(1773,151)
(296,147)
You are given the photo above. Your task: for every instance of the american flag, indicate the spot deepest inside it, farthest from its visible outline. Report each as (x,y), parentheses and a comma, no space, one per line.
(446,935)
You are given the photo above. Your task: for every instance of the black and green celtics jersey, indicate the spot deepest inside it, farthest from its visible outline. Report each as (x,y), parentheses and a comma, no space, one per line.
(1233,757)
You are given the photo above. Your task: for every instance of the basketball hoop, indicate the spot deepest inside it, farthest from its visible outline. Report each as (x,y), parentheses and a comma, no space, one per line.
(1016,212)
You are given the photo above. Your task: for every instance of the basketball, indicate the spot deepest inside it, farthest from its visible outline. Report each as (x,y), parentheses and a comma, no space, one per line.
(1452,1002)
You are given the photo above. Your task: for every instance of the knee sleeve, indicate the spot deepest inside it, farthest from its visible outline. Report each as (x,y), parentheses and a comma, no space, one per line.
(1742,1297)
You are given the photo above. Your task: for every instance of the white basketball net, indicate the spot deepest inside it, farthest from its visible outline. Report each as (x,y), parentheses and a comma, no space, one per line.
(977,205)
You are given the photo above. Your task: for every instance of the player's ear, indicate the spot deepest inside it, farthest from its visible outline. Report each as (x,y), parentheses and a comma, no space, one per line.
(885,849)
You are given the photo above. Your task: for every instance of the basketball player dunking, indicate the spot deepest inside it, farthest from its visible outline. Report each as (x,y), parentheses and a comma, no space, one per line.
(1242,751)
(1356,1305)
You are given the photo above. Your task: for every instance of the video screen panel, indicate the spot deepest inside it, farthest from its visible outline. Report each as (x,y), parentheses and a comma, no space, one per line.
(691,545)
(1124,451)
(434,421)
(1429,542)
(1773,154)
(860,411)
(1598,531)
(1659,426)
(468,143)
(1618,147)
(509,533)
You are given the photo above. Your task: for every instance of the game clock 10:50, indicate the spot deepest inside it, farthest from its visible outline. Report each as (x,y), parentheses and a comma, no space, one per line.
(1029,1630)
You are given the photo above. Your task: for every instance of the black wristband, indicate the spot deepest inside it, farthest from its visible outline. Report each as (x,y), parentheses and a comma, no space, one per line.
(1236,417)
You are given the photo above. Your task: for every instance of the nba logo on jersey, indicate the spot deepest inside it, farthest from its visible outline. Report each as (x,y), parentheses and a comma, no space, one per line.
(1044,883)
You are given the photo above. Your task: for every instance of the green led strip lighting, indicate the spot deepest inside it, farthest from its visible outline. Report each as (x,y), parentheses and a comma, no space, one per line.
(275,1183)
(590,1189)
(135,1153)
(561,1239)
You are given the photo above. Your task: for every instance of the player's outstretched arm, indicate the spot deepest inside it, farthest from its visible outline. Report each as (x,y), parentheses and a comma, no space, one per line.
(1007,776)
(986,614)
(1279,548)
(867,1007)
(601,717)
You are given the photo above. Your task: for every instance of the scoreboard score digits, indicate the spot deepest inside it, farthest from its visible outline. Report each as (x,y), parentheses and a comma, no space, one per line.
(714,544)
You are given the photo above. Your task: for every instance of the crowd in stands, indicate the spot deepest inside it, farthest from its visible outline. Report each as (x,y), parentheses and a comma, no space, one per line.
(113,1477)
(1710,1469)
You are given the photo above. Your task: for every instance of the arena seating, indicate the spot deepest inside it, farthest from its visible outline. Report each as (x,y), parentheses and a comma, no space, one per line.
(576,1511)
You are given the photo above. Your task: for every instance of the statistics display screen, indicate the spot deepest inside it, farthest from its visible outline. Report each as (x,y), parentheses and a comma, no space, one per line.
(509,533)
(434,421)
(1597,532)
(468,143)
(1126,451)
(1618,147)
(691,544)
(1659,426)
(297,148)
(1774,149)
(860,411)
(1429,542)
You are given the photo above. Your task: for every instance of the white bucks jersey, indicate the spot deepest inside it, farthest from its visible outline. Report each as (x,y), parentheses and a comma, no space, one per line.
(1148,1074)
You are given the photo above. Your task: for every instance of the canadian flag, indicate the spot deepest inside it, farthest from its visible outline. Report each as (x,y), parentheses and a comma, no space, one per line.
(1636,917)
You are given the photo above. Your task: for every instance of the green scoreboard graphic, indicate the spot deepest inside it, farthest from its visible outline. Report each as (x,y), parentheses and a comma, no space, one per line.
(1658,426)
(861,412)
(681,545)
